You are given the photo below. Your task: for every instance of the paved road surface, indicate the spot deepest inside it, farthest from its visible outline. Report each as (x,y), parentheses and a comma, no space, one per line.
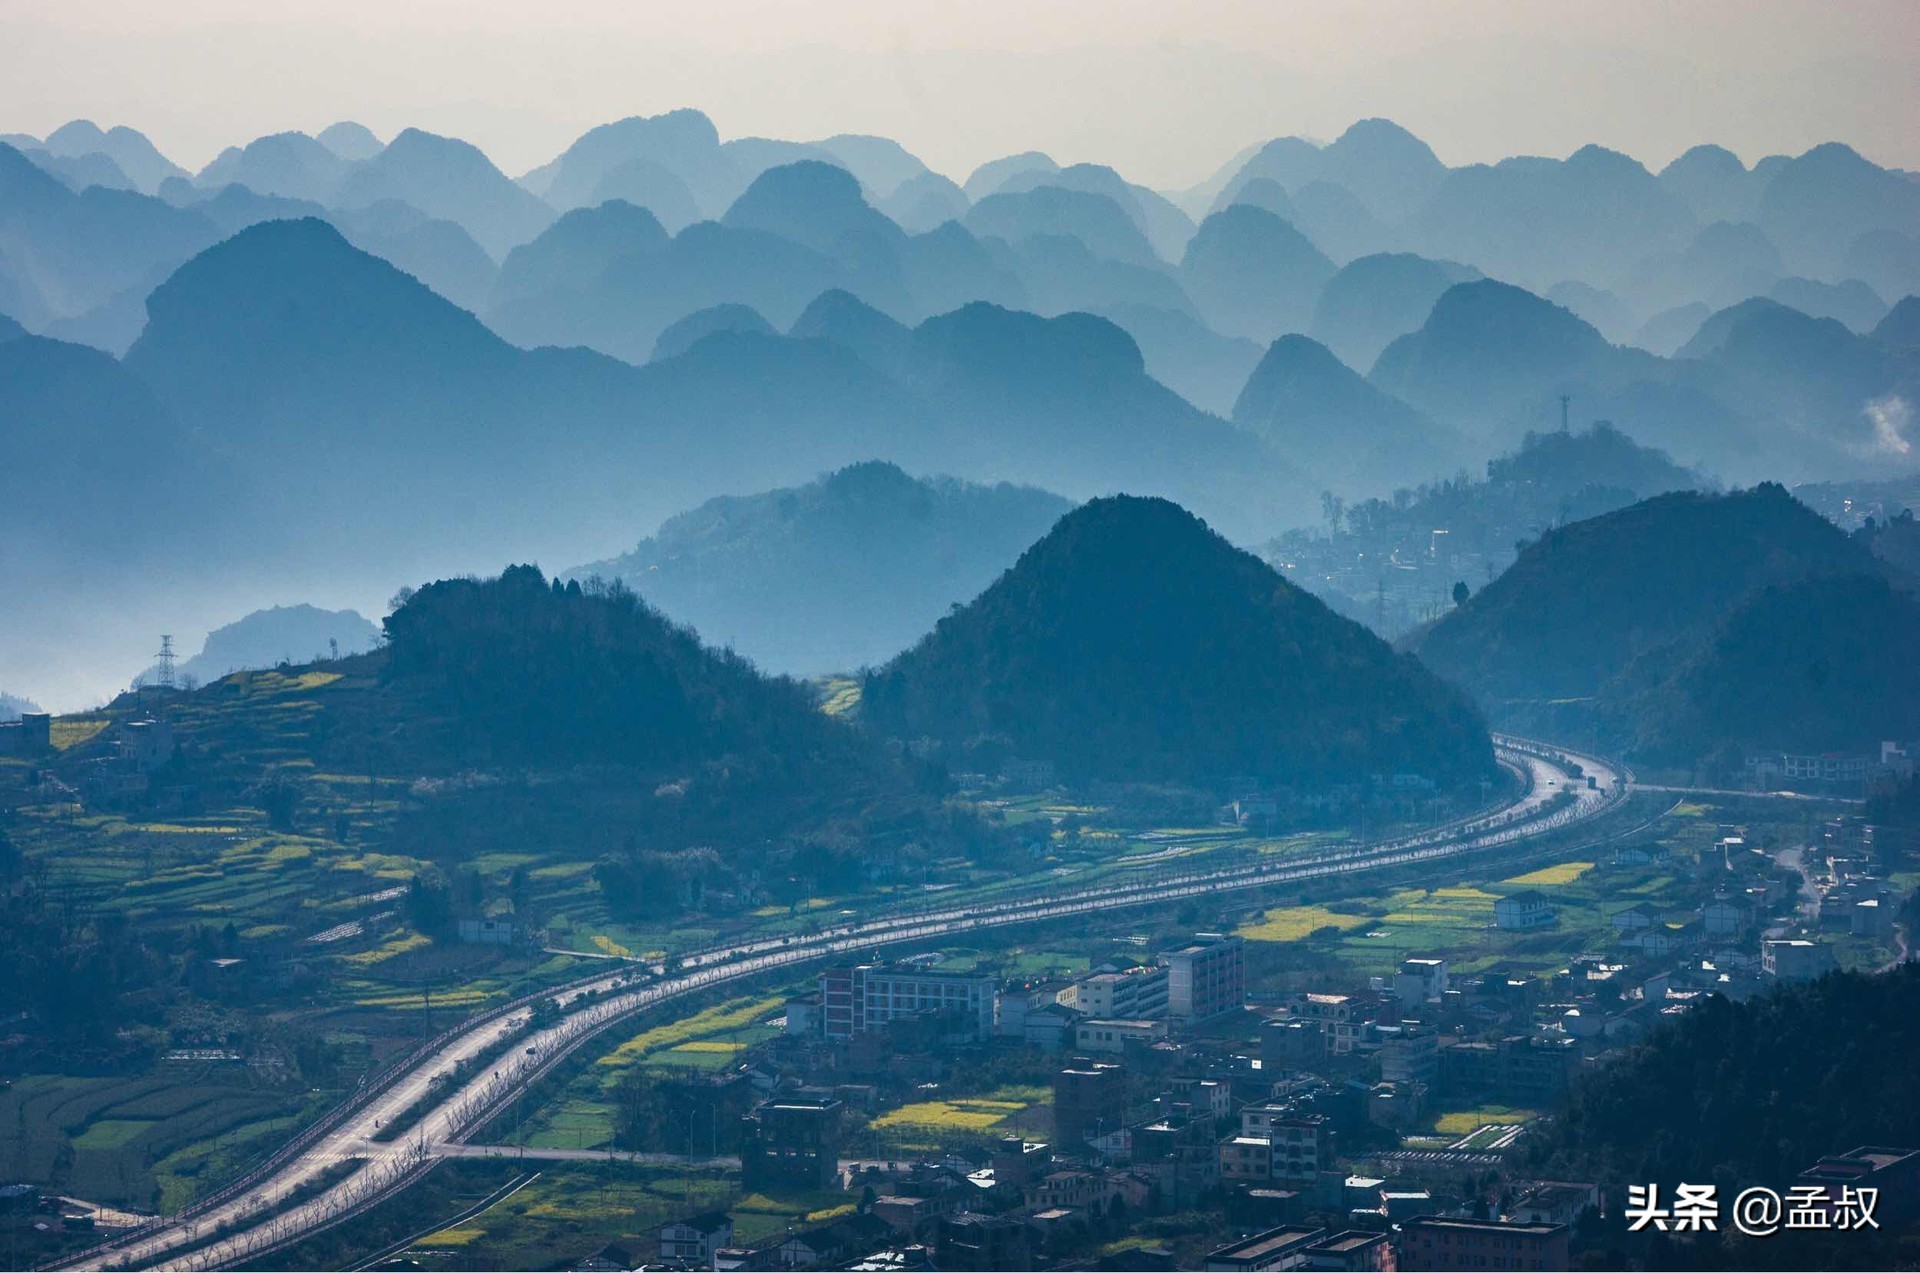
(288,1202)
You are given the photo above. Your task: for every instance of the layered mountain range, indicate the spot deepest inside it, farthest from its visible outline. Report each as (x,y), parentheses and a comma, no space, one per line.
(360,360)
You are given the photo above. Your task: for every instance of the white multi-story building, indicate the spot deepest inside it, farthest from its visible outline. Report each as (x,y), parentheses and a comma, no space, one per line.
(866,997)
(1419,980)
(1205,978)
(1136,994)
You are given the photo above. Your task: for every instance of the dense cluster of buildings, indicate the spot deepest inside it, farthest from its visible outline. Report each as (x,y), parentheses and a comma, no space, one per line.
(1301,1122)
(1198,982)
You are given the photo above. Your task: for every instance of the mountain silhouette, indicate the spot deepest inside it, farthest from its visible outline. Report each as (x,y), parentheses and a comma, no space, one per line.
(350,141)
(1811,374)
(1287,162)
(1534,221)
(1832,651)
(292,165)
(1134,644)
(993,174)
(948,267)
(78,172)
(697,326)
(233,208)
(1852,302)
(1102,225)
(1165,226)
(1059,273)
(1584,600)
(1065,404)
(106,497)
(439,253)
(1487,340)
(1900,329)
(1371,301)
(622,309)
(284,339)
(128,149)
(1600,309)
(1726,262)
(63,254)
(1485,335)
(599,676)
(282,634)
(1494,360)
(1338,223)
(646,183)
(452,180)
(569,255)
(844,319)
(925,202)
(1713,182)
(1251,274)
(1184,354)
(1667,331)
(821,207)
(84,436)
(839,574)
(1265,192)
(1376,167)
(1817,203)
(882,164)
(286,295)
(1888,261)
(682,142)
(1319,413)
(111,326)
(1386,168)
(748,157)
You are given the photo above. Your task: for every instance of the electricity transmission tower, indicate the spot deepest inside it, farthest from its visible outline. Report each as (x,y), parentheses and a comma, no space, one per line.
(163,664)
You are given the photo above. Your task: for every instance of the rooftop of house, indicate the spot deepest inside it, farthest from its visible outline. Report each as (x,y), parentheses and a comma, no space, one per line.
(707,1222)
(1266,1244)
(1461,1224)
(1857,1163)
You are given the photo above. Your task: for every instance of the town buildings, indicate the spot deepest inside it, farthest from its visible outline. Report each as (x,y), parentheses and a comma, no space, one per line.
(31,735)
(794,1140)
(696,1240)
(1137,994)
(866,997)
(1529,909)
(1089,1098)
(1205,978)
(1449,1242)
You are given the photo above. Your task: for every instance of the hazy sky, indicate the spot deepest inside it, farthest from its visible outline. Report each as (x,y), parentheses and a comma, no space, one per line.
(1164,90)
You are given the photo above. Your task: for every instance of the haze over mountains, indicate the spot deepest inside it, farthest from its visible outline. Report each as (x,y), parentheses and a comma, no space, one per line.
(349,361)
(838,574)
(283,634)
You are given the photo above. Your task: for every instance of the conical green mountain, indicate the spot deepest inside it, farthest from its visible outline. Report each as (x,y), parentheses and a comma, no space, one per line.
(1132,643)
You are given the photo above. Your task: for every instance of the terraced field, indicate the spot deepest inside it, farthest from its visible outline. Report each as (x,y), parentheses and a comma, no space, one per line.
(140,1142)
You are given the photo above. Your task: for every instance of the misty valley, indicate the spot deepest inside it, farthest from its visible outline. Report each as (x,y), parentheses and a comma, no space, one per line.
(752,704)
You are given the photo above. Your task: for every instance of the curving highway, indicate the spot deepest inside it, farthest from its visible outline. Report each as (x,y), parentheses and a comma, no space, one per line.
(338,1169)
